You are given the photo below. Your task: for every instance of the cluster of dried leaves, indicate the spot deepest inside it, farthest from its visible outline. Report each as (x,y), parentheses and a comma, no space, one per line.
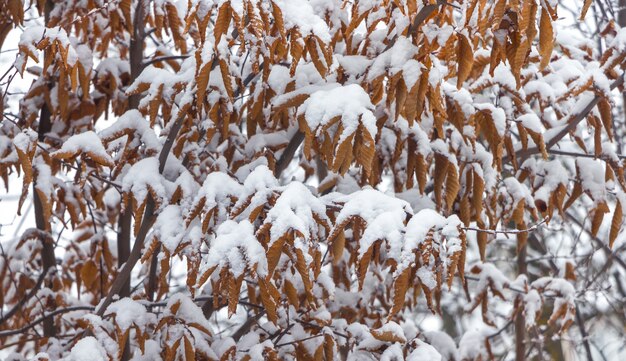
(458,107)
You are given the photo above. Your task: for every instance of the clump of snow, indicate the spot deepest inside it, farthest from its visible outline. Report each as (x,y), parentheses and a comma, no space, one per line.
(443,343)
(236,246)
(349,102)
(394,59)
(294,210)
(128,313)
(300,14)
(423,352)
(531,122)
(87,349)
(132,121)
(142,177)
(532,305)
(591,174)
(279,78)
(87,142)
(168,227)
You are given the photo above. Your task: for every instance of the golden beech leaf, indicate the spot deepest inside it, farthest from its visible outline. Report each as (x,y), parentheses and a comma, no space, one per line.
(268,302)
(585,8)
(292,102)
(465,58)
(598,216)
(364,149)
(576,192)
(27,168)
(605,115)
(278,19)
(522,237)
(388,336)
(292,294)
(202,82)
(89,273)
(452,186)
(538,139)
(441,169)
(315,48)
(482,240)
(616,223)
(421,172)
(364,264)
(400,286)
(226,79)
(190,354)
(303,270)
(274,252)
(570,271)
(222,21)
(546,38)
(338,246)
(329,347)
(233,294)
(121,340)
(343,156)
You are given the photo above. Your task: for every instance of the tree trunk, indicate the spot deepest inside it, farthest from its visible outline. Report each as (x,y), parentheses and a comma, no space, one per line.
(125,218)
(47,252)
(621,21)
(520,320)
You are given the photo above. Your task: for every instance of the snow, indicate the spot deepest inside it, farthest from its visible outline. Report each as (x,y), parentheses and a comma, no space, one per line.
(128,313)
(411,71)
(423,352)
(188,311)
(279,78)
(86,142)
(472,345)
(133,121)
(497,114)
(168,227)
(236,246)
(394,59)
(490,276)
(532,306)
(301,15)
(142,177)
(503,76)
(591,174)
(218,189)
(531,122)
(24,140)
(354,65)
(87,349)
(32,35)
(443,343)
(350,102)
(294,210)
(417,230)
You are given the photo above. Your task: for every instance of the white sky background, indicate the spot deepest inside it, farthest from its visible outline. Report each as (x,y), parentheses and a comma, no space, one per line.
(11,226)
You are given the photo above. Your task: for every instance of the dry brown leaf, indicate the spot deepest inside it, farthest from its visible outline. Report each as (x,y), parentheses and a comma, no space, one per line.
(616,223)
(465,57)
(546,38)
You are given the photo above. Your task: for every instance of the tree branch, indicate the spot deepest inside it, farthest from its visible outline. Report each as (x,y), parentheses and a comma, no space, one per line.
(146,223)
(22,302)
(164,58)
(571,125)
(44,318)
(298,137)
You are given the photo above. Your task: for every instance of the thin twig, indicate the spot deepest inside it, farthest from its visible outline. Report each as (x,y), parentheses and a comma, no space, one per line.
(507,231)
(43,318)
